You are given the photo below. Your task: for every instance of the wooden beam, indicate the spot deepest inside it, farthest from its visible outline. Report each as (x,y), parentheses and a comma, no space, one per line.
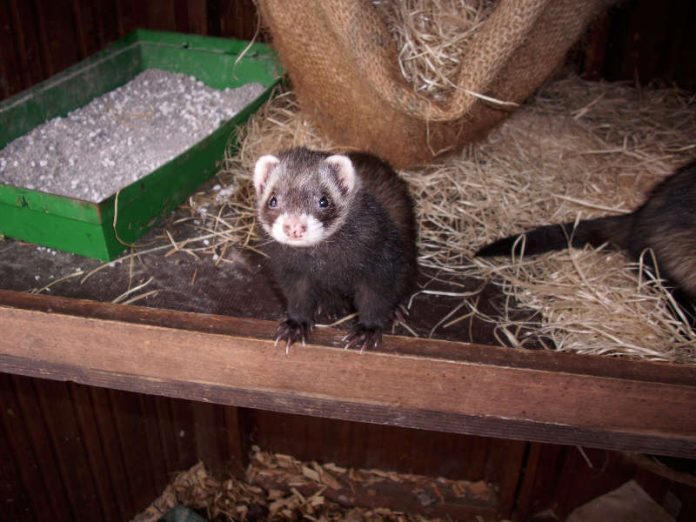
(418,383)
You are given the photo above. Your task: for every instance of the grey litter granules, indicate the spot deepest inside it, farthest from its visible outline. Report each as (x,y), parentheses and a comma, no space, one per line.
(120,136)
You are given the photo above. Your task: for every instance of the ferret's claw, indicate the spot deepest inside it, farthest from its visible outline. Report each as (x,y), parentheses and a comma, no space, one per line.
(291,331)
(363,337)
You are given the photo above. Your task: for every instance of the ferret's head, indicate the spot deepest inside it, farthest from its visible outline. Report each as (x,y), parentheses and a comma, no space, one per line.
(303,196)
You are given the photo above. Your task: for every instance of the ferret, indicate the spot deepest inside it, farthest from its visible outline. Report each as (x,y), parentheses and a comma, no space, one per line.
(342,230)
(665,224)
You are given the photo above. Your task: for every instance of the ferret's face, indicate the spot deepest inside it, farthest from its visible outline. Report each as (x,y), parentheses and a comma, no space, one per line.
(302,196)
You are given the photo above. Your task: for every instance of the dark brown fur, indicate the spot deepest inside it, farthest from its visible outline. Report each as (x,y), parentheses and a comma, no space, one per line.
(368,263)
(665,224)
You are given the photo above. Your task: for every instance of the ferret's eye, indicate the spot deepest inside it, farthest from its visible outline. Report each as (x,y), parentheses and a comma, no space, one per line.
(324,202)
(273,202)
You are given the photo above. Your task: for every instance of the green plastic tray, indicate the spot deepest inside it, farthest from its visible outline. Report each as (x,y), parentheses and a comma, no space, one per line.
(88,228)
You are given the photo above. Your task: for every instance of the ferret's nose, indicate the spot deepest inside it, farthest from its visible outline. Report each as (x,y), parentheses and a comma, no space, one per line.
(294,227)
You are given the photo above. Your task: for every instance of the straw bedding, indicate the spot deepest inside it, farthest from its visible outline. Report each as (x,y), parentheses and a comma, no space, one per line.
(579,149)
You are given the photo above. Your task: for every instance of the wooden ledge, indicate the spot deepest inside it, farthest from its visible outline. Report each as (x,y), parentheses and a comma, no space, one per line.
(419,383)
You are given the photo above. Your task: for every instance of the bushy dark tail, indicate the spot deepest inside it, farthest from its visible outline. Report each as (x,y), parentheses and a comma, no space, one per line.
(595,232)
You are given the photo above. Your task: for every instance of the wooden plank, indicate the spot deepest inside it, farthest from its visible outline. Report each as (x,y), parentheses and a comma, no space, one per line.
(463,352)
(507,463)
(366,446)
(160,15)
(206,430)
(27,406)
(181,16)
(96,24)
(197,14)
(183,424)
(107,13)
(539,480)
(80,28)
(108,432)
(132,439)
(16,481)
(167,439)
(132,14)
(428,384)
(32,61)
(213,17)
(237,435)
(155,451)
(95,453)
(11,75)
(57,34)
(67,443)
(14,500)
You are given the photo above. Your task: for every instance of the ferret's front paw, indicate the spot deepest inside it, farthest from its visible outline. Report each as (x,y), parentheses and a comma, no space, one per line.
(363,337)
(291,331)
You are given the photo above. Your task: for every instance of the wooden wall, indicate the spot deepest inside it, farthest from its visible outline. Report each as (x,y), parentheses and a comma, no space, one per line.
(73,452)
(41,37)
(643,42)
(70,452)
(635,40)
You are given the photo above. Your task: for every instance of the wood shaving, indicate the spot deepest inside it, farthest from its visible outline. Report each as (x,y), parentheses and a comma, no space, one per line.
(279,487)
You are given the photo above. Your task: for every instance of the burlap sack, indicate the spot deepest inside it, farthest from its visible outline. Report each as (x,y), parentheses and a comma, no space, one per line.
(343,66)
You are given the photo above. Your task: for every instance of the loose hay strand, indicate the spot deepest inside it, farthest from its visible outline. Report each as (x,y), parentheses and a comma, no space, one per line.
(432,36)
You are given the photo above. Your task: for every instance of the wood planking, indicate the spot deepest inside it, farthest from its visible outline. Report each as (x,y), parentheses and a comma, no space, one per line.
(564,478)
(68,449)
(152,441)
(369,445)
(10,78)
(133,447)
(72,449)
(444,394)
(95,452)
(542,360)
(651,42)
(45,36)
(104,418)
(539,479)
(238,18)
(42,447)
(30,65)
(504,467)
(167,440)
(29,476)
(15,503)
(97,24)
(373,446)
(39,38)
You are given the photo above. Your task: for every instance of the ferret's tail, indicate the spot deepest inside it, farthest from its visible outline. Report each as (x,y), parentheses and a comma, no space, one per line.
(595,232)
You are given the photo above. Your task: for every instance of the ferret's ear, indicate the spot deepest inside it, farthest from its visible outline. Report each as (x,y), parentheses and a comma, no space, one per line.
(264,166)
(345,172)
